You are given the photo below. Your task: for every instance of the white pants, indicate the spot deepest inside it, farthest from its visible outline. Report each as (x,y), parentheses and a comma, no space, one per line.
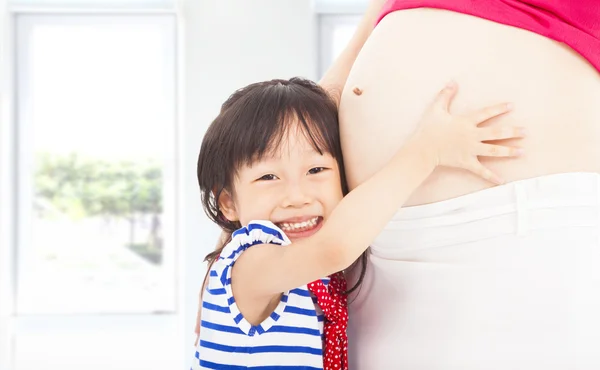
(506,278)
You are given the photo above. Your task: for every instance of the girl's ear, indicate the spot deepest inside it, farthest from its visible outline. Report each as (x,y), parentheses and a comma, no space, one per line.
(227,206)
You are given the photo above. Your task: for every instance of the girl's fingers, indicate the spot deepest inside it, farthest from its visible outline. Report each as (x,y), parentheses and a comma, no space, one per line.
(198,321)
(197,328)
(500,133)
(444,98)
(491,150)
(483,172)
(488,113)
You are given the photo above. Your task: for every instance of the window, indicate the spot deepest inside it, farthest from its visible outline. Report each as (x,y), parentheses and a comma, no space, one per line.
(96,113)
(335,33)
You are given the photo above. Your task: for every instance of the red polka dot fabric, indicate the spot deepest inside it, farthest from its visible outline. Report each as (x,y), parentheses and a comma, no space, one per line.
(334,305)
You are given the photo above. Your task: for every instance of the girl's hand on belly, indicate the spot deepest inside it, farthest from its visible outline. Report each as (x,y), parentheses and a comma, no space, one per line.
(458,141)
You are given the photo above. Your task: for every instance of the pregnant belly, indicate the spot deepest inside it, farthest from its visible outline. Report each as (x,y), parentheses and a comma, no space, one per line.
(413,53)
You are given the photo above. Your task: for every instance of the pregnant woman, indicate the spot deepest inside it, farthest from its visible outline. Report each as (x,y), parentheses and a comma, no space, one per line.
(471,276)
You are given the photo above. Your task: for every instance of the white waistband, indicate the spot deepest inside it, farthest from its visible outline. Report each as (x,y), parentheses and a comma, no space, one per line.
(564,189)
(513,208)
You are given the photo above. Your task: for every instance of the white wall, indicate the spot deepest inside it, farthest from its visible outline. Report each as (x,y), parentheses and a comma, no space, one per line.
(6,190)
(229,44)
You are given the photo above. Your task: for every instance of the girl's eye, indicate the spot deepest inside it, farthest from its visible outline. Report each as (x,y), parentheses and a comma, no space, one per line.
(315,170)
(268,177)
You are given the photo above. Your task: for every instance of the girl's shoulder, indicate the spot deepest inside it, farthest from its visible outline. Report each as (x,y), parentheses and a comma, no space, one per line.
(256,232)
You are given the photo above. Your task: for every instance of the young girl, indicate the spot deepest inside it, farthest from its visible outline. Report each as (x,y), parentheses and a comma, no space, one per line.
(270,170)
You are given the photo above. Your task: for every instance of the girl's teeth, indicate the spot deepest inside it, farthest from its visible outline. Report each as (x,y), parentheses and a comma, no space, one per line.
(299,225)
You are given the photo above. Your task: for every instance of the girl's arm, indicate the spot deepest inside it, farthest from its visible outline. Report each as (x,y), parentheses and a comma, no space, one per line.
(266,270)
(335,78)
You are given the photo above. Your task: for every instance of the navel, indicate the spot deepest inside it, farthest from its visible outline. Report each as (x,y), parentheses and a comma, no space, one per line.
(357,91)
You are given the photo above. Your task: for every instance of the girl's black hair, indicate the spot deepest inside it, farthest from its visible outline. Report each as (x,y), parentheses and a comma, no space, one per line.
(252,123)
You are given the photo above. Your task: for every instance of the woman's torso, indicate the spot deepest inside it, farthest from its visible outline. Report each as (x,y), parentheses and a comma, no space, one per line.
(435,310)
(413,53)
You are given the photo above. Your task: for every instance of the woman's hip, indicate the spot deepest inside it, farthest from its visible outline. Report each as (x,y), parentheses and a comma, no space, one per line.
(508,277)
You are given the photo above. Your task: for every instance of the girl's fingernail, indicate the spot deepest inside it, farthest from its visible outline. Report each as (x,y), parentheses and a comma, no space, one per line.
(451,84)
(509,106)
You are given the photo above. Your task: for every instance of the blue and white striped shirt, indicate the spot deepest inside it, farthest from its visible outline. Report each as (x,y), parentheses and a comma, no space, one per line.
(290,338)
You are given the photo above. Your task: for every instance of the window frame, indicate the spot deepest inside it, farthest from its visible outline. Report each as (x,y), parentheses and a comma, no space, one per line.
(327,24)
(24,25)
(340,7)
(94,7)
(12,323)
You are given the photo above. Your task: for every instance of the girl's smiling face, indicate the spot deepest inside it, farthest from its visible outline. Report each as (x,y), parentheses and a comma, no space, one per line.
(294,186)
